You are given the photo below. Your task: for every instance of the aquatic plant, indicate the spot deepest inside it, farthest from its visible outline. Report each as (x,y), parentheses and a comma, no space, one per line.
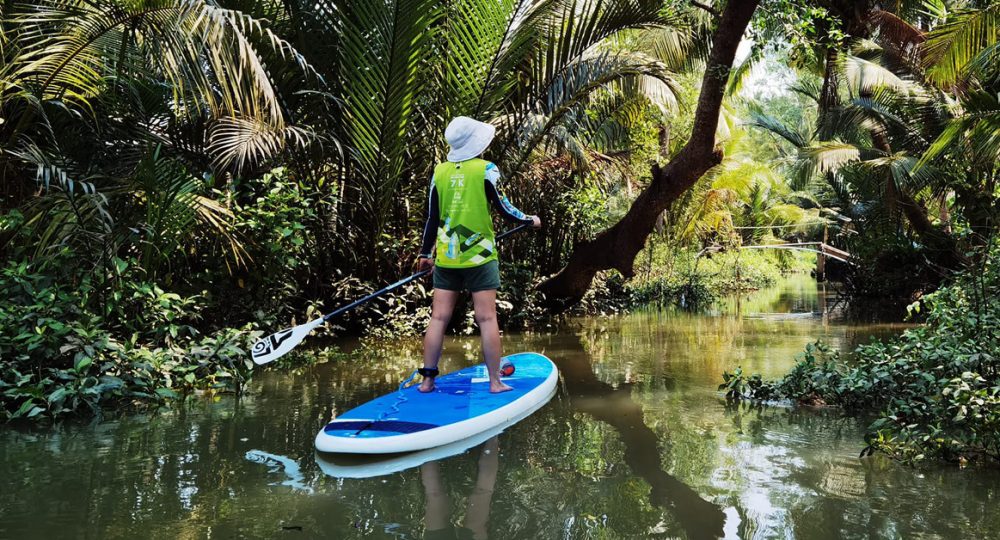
(935,389)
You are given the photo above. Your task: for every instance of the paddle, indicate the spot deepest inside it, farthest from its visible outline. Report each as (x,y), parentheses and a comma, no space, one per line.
(276,345)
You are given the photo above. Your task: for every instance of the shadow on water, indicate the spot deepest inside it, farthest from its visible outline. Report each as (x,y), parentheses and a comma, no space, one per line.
(584,393)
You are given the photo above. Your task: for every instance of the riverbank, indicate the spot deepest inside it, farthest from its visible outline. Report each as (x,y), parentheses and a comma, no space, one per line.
(74,345)
(934,389)
(642,384)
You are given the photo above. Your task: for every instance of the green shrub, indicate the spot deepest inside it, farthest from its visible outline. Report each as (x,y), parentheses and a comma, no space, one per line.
(273,218)
(61,355)
(936,388)
(685,291)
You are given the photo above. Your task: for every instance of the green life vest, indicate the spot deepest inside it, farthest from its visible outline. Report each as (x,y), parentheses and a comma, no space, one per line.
(465,237)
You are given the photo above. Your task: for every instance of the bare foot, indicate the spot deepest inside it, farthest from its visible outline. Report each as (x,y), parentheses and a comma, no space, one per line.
(427,385)
(496,387)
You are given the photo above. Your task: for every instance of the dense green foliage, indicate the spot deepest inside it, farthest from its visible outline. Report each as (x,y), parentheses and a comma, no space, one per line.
(904,155)
(936,388)
(904,150)
(62,353)
(251,164)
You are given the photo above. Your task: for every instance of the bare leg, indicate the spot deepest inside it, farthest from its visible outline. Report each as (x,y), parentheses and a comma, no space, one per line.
(438,509)
(485,305)
(441,308)
(477,512)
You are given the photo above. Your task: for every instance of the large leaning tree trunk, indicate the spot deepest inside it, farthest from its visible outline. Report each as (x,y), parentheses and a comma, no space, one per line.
(617,247)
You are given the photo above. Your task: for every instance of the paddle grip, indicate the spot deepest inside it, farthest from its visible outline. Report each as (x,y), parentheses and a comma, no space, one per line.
(403,281)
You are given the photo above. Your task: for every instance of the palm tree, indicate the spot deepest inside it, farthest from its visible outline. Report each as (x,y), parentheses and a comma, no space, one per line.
(402,68)
(109,106)
(963,55)
(906,102)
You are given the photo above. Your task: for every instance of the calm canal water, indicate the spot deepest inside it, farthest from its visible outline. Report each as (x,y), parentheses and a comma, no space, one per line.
(637,443)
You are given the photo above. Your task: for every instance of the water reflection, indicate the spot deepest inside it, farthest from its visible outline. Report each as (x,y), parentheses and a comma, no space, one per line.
(638,443)
(615,407)
(437,516)
(287,466)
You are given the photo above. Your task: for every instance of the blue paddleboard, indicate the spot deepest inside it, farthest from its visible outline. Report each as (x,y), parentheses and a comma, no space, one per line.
(460,407)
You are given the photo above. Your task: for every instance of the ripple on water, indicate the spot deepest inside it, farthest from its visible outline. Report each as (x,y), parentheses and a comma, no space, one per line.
(637,443)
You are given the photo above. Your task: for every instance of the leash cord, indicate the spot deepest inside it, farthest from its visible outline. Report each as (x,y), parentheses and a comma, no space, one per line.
(400,399)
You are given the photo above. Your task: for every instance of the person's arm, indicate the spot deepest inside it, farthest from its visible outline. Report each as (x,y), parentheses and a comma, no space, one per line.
(501,203)
(431,226)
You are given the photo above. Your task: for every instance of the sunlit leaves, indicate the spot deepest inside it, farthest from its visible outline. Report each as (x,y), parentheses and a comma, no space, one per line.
(968,40)
(210,57)
(830,155)
(482,39)
(239,142)
(863,76)
(382,47)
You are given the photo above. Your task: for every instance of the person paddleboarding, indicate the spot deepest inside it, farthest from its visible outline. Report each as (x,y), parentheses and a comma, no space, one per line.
(460,229)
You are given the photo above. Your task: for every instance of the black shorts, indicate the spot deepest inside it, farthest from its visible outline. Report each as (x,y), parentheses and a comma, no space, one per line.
(478,278)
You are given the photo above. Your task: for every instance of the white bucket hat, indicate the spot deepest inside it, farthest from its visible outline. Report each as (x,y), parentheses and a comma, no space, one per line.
(468,138)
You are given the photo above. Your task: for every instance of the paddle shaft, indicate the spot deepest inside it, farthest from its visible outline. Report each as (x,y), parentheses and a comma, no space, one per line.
(402,282)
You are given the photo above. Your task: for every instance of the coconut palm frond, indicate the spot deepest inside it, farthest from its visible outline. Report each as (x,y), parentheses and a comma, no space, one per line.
(573,86)
(800,219)
(210,56)
(585,24)
(811,88)
(237,143)
(864,76)
(977,132)
(657,88)
(893,32)
(382,47)
(774,126)
(564,142)
(717,221)
(830,156)
(680,43)
(961,41)
(609,127)
(882,110)
(902,167)
(742,71)
(472,78)
(987,63)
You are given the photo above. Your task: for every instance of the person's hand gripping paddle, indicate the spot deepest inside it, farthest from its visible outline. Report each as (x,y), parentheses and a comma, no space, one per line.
(276,345)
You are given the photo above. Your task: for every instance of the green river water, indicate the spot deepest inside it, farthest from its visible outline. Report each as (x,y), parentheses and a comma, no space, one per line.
(637,443)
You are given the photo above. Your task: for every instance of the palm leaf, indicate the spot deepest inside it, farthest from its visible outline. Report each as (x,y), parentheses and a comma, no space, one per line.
(830,156)
(486,41)
(239,142)
(968,38)
(208,55)
(864,76)
(573,86)
(742,71)
(171,213)
(382,47)
(774,126)
(808,87)
(895,33)
(976,131)
(69,209)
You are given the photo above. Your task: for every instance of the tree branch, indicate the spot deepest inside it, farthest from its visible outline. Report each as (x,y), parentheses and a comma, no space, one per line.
(710,9)
(617,247)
